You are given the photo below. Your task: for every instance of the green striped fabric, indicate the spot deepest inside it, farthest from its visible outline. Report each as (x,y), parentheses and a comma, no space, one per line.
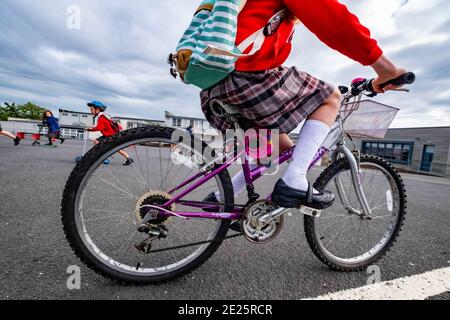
(216,28)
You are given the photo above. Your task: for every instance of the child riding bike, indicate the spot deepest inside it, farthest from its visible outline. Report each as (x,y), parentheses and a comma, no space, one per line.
(277,97)
(106,126)
(164,230)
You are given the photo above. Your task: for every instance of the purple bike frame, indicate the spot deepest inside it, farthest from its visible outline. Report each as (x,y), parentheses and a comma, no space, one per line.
(250,175)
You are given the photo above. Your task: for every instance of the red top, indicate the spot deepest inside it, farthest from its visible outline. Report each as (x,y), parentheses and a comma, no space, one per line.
(329,20)
(104,126)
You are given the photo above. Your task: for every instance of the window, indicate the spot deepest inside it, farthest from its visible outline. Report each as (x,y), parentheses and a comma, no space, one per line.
(389,151)
(396,152)
(176,122)
(84,116)
(374,148)
(406,151)
(380,150)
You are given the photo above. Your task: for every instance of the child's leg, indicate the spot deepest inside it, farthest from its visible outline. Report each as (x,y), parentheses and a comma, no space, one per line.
(59,137)
(50,139)
(238,181)
(129,161)
(124,154)
(8,134)
(311,137)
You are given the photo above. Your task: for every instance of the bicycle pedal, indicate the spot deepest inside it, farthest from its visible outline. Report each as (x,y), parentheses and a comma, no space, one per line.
(310,211)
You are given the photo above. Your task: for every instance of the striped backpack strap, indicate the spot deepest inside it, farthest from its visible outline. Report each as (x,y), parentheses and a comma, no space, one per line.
(207,52)
(256,39)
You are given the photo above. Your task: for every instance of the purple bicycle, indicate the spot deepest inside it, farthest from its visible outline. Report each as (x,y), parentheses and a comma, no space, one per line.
(149,223)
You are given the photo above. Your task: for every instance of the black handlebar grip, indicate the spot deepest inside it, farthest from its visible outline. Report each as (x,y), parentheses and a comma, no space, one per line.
(407,78)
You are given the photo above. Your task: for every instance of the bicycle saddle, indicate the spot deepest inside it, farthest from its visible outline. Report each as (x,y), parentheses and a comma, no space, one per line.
(223,110)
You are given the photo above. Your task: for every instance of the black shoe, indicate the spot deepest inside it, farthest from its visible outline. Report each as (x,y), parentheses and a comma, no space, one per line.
(17,141)
(129,162)
(211,198)
(49,144)
(236,226)
(63,140)
(287,197)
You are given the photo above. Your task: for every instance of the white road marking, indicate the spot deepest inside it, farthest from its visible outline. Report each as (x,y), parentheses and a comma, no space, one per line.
(418,287)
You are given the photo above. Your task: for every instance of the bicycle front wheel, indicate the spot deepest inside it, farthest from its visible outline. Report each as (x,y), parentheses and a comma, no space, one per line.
(343,237)
(102,207)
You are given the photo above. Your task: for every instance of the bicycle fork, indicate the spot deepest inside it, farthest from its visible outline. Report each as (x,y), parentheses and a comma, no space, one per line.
(355,170)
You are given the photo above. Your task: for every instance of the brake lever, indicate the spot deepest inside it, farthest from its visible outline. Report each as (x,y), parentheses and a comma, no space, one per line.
(401,89)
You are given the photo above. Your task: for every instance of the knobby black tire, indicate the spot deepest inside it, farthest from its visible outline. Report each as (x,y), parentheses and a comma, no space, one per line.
(69,199)
(321,182)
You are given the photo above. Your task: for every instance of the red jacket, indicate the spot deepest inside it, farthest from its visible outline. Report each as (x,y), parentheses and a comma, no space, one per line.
(104,126)
(329,20)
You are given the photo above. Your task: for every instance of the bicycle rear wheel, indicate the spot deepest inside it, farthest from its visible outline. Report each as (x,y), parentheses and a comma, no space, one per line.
(101,208)
(342,237)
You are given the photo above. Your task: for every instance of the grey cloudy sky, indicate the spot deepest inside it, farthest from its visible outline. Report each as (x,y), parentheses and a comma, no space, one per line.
(119,55)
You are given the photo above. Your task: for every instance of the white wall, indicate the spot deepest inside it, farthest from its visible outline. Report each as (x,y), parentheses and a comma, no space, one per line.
(202,128)
(75,119)
(20,126)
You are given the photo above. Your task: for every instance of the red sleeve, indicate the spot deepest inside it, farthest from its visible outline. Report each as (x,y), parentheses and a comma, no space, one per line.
(100,125)
(339,29)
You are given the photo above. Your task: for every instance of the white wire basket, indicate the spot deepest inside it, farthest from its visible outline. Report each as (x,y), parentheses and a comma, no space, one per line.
(368,119)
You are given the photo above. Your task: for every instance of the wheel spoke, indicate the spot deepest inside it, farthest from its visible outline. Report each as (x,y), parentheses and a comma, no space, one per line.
(109,217)
(130,195)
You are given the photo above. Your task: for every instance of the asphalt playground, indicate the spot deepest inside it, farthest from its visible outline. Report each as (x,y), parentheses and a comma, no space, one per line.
(34,254)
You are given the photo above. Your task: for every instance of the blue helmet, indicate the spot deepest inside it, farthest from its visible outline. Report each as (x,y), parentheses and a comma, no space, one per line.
(97,104)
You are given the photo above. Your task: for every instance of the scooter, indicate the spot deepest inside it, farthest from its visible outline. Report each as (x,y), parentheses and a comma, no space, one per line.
(37,143)
(86,139)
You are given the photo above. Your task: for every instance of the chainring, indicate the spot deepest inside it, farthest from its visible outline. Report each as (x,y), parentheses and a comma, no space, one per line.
(255,232)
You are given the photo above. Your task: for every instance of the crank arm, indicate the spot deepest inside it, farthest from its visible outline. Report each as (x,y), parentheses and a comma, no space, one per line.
(265,219)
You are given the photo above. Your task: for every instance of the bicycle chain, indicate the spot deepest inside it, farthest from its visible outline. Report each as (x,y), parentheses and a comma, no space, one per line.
(196,244)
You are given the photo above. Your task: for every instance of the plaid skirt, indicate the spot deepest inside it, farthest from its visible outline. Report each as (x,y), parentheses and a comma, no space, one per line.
(279,98)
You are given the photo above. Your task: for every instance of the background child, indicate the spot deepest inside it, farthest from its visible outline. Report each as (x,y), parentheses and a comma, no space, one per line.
(105,126)
(54,131)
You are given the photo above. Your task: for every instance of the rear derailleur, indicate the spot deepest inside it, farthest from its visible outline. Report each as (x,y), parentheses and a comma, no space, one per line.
(154,232)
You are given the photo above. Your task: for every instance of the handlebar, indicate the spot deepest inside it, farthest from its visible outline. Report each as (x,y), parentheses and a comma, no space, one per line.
(407,78)
(360,85)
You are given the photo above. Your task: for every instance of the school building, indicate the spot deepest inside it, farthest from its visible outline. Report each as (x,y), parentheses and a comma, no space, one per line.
(72,123)
(201,127)
(422,150)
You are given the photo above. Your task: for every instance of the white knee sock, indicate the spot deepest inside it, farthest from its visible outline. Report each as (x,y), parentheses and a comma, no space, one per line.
(311,137)
(239,183)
